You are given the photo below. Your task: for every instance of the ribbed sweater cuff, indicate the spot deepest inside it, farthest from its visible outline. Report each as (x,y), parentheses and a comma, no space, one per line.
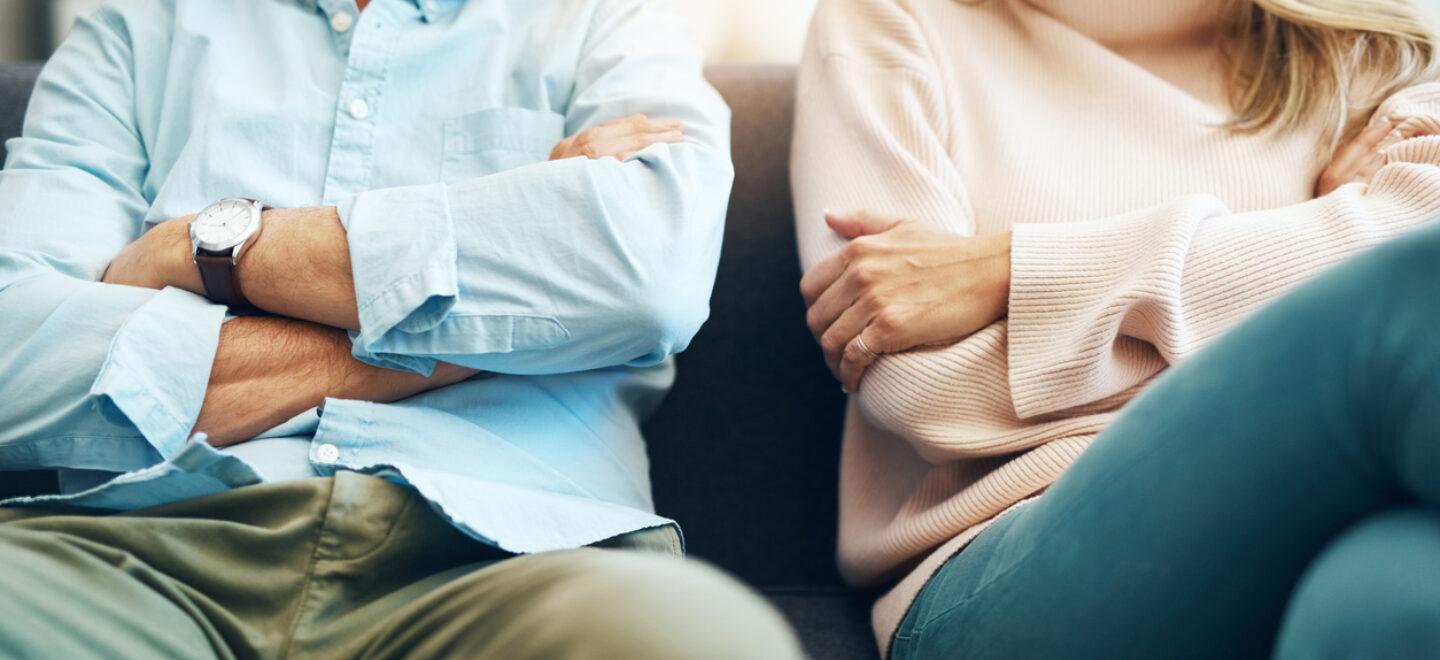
(1068,280)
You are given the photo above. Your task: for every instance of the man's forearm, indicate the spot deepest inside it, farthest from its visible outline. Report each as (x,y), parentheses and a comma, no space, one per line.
(300,267)
(267,370)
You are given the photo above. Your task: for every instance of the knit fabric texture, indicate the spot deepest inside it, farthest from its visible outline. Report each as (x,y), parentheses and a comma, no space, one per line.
(1143,228)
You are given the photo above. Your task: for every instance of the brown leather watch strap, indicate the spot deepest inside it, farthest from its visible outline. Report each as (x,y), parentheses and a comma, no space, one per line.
(217,272)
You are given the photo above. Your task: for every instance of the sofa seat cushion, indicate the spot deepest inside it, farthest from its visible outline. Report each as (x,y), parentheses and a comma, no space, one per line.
(833,623)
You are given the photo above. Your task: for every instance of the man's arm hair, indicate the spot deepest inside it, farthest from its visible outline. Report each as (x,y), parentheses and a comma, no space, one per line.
(269,369)
(300,268)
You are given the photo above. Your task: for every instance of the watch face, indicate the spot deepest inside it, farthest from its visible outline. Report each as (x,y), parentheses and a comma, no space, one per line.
(223,224)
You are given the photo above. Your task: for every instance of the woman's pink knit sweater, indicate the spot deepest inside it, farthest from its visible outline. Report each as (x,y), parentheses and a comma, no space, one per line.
(1142,229)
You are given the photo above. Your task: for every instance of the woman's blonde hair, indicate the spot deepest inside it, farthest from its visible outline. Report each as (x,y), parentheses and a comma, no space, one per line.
(1290,59)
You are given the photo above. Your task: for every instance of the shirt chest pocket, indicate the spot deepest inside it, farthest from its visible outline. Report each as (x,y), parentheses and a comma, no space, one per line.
(497,139)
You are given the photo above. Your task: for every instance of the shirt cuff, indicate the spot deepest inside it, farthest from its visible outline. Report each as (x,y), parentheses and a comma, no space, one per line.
(159,366)
(402,254)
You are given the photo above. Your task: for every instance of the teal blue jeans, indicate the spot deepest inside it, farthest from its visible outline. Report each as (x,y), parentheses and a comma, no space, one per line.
(1277,495)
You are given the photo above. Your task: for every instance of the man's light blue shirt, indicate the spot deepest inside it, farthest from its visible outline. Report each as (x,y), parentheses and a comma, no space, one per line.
(429,124)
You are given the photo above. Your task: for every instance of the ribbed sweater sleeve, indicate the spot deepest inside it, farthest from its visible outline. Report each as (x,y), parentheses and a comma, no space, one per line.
(1142,229)
(873,132)
(872,125)
(1098,307)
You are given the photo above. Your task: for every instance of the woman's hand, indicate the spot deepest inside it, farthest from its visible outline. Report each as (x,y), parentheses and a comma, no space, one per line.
(1359,159)
(901,284)
(620,138)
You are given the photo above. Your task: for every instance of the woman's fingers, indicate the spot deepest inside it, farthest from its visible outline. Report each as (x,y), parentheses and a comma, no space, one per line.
(835,338)
(1369,139)
(859,223)
(1366,144)
(859,354)
(824,276)
(906,286)
(832,303)
(821,276)
(1355,161)
(1350,157)
(1369,168)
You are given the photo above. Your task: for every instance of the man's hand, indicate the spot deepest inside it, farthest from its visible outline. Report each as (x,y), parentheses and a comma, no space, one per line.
(1359,159)
(270,369)
(298,267)
(159,258)
(620,138)
(901,284)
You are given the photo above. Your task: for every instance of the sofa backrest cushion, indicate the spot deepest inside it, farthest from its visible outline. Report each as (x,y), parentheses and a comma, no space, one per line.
(16,83)
(745,451)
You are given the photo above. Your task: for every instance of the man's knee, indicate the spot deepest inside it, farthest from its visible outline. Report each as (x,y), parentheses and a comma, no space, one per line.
(1373,593)
(592,603)
(65,597)
(669,608)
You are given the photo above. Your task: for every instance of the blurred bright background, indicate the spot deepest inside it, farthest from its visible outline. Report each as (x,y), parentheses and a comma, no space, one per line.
(751,31)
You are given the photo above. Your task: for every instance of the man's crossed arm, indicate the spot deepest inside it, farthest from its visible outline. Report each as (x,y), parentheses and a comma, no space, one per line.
(269,369)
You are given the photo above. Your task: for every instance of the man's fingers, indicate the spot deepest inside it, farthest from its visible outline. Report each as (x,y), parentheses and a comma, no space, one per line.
(668,137)
(659,125)
(635,125)
(855,225)
(620,138)
(646,140)
(634,144)
(562,149)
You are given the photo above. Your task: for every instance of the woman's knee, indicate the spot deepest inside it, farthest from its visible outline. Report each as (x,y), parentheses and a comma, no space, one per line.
(1373,593)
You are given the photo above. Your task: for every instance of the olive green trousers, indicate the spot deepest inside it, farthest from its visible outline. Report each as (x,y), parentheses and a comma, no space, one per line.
(352,567)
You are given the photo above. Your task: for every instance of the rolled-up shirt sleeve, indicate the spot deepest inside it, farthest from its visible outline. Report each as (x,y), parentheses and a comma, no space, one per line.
(94,376)
(565,265)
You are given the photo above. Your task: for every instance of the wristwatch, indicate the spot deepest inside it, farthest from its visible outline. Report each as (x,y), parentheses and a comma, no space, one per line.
(219,236)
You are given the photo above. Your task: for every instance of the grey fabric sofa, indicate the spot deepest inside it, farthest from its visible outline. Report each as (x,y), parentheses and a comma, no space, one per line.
(744,452)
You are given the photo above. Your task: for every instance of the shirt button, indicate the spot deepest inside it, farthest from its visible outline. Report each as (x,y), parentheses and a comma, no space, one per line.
(342,22)
(327,453)
(359,109)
